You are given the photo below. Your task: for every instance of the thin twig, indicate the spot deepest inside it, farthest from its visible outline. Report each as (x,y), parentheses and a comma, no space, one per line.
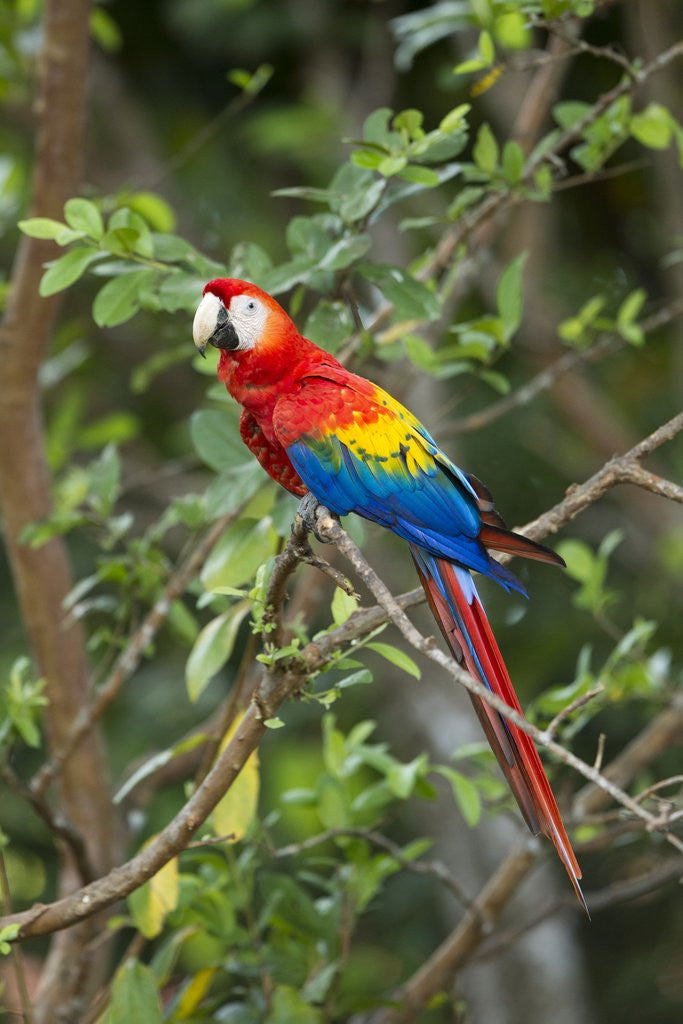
(674,780)
(434,868)
(600,752)
(603,899)
(581,46)
(58,825)
(577,703)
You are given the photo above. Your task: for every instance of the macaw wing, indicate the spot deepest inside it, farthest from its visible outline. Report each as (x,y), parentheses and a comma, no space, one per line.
(358,450)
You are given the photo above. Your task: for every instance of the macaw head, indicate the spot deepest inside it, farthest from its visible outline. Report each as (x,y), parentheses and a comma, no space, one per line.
(237,316)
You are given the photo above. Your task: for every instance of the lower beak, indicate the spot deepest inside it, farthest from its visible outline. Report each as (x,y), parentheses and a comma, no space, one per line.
(225,336)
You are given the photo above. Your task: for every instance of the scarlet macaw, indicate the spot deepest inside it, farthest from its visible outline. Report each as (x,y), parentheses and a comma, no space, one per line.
(315,427)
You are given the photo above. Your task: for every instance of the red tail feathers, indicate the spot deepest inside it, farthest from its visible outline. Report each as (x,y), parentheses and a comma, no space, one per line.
(463,622)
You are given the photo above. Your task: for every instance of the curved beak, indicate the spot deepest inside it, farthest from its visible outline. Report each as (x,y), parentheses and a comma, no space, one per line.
(212,326)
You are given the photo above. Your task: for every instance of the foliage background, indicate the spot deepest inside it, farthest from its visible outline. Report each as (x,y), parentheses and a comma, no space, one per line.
(165,118)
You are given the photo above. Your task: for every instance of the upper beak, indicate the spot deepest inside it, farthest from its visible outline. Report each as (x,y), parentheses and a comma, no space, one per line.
(213,326)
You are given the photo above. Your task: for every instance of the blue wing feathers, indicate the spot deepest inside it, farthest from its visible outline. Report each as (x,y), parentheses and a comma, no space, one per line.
(434,514)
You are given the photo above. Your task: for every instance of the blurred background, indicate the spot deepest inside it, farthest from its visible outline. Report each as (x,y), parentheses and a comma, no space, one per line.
(167,117)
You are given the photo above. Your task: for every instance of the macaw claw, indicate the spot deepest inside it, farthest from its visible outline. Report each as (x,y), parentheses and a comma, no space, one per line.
(308,513)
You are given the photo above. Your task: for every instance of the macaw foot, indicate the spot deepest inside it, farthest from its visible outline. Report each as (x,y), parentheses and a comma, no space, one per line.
(308,513)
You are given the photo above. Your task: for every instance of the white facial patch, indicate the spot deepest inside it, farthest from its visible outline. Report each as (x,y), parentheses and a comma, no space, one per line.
(248,315)
(206,319)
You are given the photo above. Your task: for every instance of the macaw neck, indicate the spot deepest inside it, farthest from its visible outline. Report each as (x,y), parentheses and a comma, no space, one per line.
(258,377)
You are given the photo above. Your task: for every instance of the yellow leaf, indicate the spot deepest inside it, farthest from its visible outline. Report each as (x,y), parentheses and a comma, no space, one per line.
(194,993)
(153,901)
(234,813)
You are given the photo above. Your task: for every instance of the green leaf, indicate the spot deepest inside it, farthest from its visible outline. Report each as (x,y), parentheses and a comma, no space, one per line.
(238,554)
(420,175)
(157,761)
(590,570)
(367,159)
(421,353)
(495,380)
(105,30)
(513,161)
(627,314)
(105,477)
(360,678)
(67,269)
(230,490)
(354,191)
(332,802)
(216,438)
(133,230)
(455,118)
(343,605)
(653,127)
(120,298)
(376,127)
(235,811)
(8,934)
(391,165)
(512,30)
(485,152)
(579,558)
(212,648)
(82,215)
(575,329)
(396,657)
(117,427)
(153,208)
(134,996)
(289,1007)
(466,794)
(410,122)
(344,252)
(329,324)
(487,50)
(570,112)
(412,299)
(41,227)
(509,295)
(153,901)
(402,778)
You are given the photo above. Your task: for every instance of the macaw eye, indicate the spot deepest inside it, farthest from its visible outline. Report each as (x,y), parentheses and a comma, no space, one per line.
(250,306)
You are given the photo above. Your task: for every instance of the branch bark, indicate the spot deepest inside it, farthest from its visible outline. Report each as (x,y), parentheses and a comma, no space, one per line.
(43,577)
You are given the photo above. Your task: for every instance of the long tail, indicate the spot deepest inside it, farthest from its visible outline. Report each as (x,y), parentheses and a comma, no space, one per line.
(461,617)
